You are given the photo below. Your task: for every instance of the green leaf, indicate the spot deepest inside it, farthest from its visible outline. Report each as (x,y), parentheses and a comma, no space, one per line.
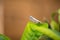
(58,11)
(30,33)
(3,37)
(48,32)
(54,25)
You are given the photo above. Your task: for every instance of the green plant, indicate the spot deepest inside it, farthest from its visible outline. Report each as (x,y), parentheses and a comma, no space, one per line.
(59,18)
(54,25)
(3,37)
(39,31)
